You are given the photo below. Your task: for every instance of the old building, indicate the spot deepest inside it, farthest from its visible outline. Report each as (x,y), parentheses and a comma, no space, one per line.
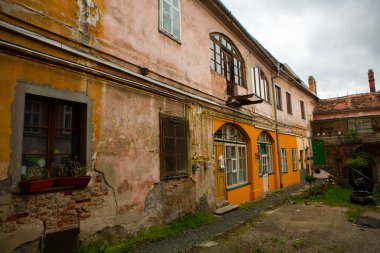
(171,106)
(343,125)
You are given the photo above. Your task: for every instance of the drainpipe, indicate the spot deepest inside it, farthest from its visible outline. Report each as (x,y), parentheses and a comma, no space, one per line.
(276,123)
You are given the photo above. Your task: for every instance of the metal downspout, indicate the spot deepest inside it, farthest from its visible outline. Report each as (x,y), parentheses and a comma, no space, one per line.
(276,124)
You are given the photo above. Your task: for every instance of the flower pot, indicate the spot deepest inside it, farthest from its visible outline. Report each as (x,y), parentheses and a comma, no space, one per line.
(31,186)
(77,182)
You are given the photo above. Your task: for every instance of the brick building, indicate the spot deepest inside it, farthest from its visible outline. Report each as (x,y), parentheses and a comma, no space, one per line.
(171,106)
(344,124)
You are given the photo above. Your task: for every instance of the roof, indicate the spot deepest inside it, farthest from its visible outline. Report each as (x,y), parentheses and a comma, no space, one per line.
(365,101)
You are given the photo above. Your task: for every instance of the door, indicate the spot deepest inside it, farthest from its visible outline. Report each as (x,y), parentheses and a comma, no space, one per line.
(220,175)
(319,156)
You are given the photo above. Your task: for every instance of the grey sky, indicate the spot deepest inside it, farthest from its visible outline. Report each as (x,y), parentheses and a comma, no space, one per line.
(336,41)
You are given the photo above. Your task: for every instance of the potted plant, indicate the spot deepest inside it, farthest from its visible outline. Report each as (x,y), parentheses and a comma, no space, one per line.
(36,177)
(71,172)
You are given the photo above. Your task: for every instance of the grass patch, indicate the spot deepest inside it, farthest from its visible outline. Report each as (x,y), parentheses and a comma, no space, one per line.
(151,234)
(337,195)
(250,204)
(297,243)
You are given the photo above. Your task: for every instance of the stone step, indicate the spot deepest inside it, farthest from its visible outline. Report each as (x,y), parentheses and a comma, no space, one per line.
(222,204)
(226,209)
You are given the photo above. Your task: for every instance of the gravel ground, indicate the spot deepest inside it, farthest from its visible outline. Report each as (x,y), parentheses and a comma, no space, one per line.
(298,228)
(187,239)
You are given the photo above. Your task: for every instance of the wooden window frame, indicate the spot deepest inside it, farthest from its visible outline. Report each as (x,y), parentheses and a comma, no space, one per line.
(54,109)
(278,97)
(289,103)
(168,137)
(303,113)
(221,49)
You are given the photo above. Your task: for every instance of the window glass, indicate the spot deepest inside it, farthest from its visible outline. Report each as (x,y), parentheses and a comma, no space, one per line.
(173,135)
(227,61)
(294,158)
(284,160)
(52,136)
(264,146)
(302,105)
(170,16)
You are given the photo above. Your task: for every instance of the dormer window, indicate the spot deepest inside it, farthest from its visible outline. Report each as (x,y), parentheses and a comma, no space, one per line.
(226,60)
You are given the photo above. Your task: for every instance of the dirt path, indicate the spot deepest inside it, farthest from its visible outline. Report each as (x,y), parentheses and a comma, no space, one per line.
(298,228)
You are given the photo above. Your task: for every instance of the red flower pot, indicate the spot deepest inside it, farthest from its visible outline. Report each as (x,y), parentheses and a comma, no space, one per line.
(77,182)
(31,186)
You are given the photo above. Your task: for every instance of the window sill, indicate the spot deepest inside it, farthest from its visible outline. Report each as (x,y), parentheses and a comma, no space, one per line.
(171,36)
(238,186)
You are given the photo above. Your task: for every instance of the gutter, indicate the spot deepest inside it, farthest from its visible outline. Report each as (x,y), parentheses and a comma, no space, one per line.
(276,125)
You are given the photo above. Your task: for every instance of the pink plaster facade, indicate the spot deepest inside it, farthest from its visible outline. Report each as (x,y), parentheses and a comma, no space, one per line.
(94,49)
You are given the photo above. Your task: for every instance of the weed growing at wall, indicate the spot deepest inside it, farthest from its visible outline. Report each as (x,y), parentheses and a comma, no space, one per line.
(151,234)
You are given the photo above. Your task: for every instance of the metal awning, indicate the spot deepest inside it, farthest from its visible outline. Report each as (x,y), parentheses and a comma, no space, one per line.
(241,100)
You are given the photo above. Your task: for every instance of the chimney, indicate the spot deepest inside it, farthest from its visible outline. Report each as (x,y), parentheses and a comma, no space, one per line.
(371,81)
(312,85)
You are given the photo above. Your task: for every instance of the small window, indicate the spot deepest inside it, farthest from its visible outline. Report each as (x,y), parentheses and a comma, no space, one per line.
(170,18)
(302,104)
(174,148)
(294,159)
(278,99)
(284,160)
(260,85)
(289,103)
(53,134)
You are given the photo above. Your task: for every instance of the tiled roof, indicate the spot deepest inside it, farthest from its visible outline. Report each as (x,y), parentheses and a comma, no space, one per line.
(347,103)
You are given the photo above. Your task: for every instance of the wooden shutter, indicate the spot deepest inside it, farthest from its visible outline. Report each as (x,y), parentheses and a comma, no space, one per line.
(174,155)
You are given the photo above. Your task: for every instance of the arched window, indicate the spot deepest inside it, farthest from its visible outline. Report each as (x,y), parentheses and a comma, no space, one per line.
(264,147)
(226,60)
(260,84)
(235,154)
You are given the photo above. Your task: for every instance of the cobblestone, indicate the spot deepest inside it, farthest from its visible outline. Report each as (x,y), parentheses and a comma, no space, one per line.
(187,239)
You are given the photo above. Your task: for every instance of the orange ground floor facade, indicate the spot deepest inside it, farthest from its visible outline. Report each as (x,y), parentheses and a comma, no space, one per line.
(247,167)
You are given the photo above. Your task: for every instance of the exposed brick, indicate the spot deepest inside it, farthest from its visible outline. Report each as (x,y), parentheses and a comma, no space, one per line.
(82,201)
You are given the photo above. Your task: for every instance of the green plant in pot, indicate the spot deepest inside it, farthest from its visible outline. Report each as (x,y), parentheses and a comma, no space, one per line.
(71,172)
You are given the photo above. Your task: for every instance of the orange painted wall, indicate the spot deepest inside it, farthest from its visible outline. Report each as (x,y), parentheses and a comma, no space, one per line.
(255,190)
(239,195)
(292,177)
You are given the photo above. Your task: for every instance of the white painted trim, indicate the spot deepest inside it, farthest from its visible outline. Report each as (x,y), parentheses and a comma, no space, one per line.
(264,128)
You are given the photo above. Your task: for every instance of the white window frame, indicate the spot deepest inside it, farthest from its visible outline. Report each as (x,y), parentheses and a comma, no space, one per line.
(236,171)
(172,10)
(284,161)
(268,146)
(294,159)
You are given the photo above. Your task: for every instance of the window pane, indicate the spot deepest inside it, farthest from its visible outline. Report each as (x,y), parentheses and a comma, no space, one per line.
(175,3)
(224,42)
(212,44)
(218,68)
(166,16)
(176,24)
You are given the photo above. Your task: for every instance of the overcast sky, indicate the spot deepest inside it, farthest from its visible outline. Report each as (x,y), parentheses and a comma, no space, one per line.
(336,41)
